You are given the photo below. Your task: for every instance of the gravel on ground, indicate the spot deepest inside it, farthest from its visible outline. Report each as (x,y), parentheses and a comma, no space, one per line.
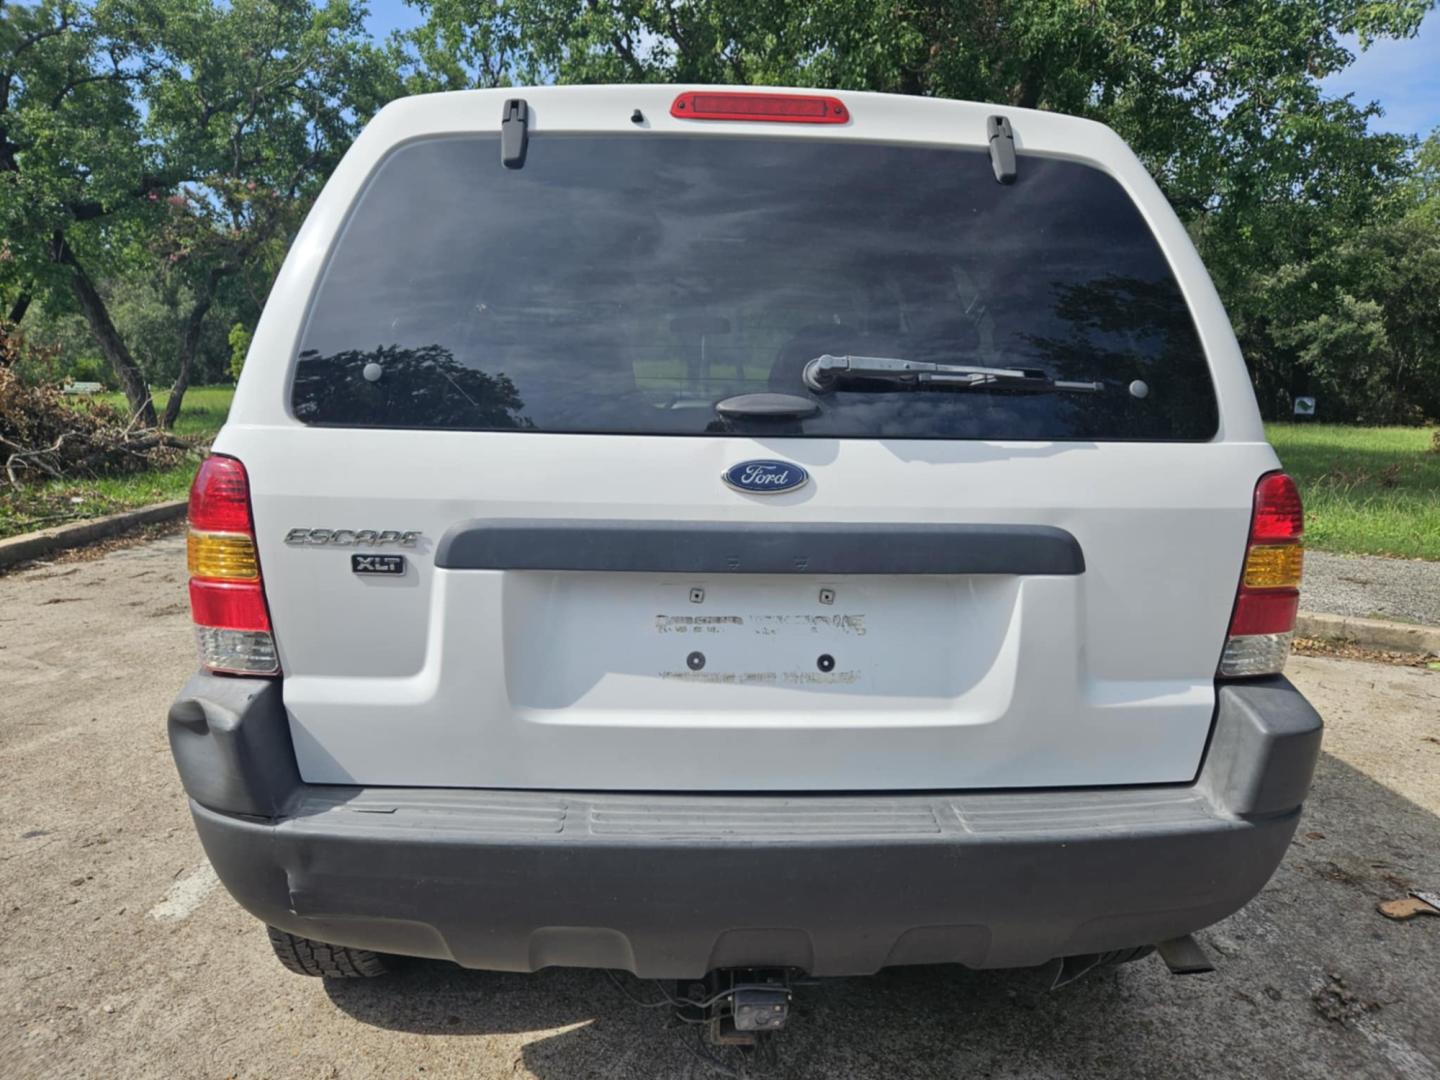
(1403,590)
(122,956)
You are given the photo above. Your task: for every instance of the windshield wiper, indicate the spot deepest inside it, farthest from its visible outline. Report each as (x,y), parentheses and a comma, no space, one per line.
(826,373)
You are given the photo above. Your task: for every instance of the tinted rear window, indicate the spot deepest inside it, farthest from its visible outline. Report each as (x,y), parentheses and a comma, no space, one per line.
(628,284)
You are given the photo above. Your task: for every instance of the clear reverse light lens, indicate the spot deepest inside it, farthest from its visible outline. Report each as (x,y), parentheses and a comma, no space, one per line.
(1256,654)
(241,652)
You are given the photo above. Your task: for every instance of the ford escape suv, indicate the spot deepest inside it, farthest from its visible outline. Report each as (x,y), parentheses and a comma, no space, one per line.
(681,530)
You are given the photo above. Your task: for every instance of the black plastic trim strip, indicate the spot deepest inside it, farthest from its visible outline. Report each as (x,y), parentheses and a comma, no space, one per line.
(714,547)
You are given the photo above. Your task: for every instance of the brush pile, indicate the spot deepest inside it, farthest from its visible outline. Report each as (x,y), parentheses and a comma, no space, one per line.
(47,435)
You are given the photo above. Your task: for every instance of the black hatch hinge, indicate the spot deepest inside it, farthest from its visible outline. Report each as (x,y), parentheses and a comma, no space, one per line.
(1002,148)
(514,133)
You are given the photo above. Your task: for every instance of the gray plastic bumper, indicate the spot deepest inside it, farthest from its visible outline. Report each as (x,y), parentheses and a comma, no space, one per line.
(671,886)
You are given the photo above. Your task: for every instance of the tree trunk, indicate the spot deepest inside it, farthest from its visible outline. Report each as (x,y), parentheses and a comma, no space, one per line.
(92,304)
(189,345)
(19,307)
(1032,83)
(7,328)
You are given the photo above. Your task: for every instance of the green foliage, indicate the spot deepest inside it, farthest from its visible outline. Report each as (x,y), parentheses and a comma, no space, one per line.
(149,313)
(71,146)
(461,45)
(1421,191)
(92,369)
(171,143)
(239,345)
(256,102)
(1373,491)
(1361,318)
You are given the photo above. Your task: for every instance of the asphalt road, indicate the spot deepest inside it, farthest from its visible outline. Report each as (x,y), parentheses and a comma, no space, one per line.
(120,956)
(1404,590)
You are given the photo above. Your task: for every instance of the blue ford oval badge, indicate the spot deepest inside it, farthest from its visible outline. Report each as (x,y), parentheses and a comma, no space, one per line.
(765,477)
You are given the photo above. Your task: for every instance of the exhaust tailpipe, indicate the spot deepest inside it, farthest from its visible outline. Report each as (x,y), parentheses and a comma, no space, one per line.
(1184,956)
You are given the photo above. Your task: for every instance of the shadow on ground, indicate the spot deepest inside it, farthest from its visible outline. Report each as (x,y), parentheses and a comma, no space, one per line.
(1311,981)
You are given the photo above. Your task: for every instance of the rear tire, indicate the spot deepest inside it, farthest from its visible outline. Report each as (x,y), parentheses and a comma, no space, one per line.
(306,957)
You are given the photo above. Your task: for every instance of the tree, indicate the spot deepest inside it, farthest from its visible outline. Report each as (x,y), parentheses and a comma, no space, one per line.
(1363,318)
(461,45)
(1421,193)
(256,100)
(247,106)
(74,171)
(239,339)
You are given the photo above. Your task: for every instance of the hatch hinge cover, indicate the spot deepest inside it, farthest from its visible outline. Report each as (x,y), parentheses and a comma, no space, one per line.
(1002,148)
(514,133)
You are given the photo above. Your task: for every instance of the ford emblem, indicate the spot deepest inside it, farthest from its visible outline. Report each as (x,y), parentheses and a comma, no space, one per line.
(765,477)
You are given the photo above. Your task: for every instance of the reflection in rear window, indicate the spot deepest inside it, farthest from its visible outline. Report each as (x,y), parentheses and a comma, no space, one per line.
(628,284)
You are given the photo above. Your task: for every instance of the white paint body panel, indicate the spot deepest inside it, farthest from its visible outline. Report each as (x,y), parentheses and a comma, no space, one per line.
(566,680)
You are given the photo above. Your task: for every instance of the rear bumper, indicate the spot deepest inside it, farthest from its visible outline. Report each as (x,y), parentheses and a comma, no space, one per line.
(671,886)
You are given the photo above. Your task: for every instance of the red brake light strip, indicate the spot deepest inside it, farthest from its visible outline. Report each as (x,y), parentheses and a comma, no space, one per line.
(778,108)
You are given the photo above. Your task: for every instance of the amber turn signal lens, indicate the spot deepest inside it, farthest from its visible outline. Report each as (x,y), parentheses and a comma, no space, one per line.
(222,556)
(1274,566)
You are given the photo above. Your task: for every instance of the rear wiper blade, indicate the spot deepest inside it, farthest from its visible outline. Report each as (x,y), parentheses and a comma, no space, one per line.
(827,372)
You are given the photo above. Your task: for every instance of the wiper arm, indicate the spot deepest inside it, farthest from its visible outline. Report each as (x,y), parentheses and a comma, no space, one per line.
(827,372)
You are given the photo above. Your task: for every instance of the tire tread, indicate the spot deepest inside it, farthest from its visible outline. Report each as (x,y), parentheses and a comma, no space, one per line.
(1125,956)
(306,957)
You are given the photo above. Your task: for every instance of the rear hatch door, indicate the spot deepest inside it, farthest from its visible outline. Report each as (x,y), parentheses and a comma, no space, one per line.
(516,380)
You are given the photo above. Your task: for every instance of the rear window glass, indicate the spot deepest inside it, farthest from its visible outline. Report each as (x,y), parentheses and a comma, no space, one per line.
(629,284)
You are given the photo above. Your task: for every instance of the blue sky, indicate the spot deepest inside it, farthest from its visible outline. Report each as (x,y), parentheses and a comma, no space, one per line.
(387,15)
(1403,76)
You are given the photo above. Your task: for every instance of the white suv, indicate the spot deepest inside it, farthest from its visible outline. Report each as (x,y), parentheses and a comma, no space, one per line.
(684,530)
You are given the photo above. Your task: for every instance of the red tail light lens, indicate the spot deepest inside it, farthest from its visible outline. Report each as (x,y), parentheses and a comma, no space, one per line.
(1265,612)
(220,497)
(227,596)
(781,108)
(1263,622)
(228,606)
(1279,516)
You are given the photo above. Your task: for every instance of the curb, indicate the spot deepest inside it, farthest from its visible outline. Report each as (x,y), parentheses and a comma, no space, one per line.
(1369,633)
(36,545)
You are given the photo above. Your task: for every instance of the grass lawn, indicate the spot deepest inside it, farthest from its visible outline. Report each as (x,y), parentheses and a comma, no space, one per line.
(201,413)
(40,506)
(1367,490)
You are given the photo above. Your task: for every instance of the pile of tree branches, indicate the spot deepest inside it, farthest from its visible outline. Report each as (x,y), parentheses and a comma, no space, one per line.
(45,436)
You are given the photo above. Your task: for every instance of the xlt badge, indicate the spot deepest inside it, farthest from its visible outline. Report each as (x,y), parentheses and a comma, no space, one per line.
(377,564)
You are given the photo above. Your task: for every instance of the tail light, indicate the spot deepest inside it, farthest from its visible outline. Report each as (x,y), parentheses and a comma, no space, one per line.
(227,597)
(1263,622)
(747,105)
